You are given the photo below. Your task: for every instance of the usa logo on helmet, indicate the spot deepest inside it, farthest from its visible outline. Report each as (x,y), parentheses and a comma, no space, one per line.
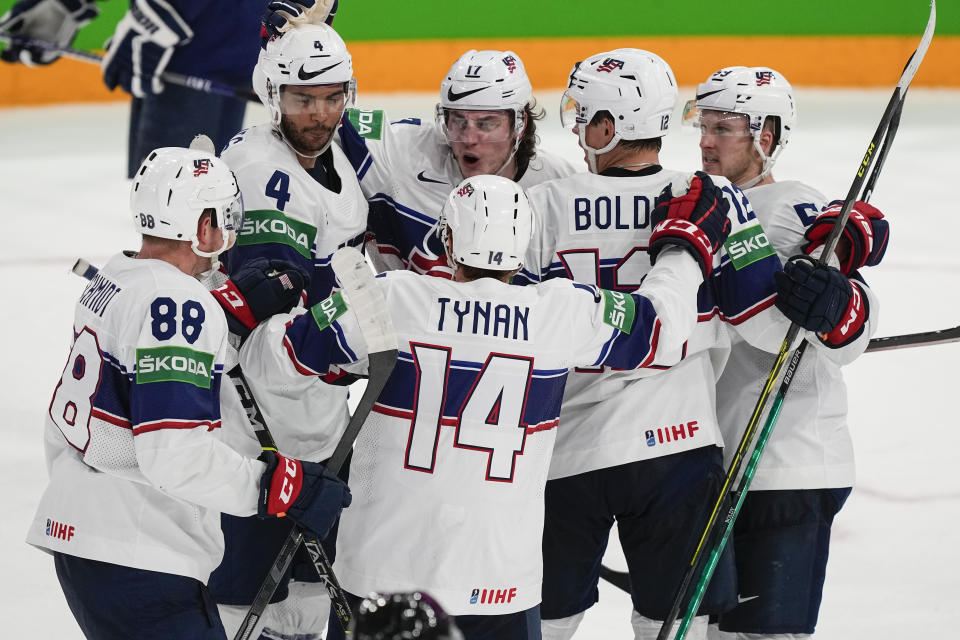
(511,63)
(200,167)
(764,77)
(609,64)
(465,190)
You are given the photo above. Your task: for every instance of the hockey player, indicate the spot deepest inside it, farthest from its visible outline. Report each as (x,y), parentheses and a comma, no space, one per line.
(485,124)
(303,203)
(204,38)
(138,474)
(654,467)
(746,117)
(448,472)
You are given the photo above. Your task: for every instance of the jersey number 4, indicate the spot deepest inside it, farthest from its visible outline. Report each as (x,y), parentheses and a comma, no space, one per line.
(490,419)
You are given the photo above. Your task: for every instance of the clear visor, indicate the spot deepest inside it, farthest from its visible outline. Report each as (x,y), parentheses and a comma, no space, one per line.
(460,125)
(569,111)
(228,202)
(323,99)
(710,122)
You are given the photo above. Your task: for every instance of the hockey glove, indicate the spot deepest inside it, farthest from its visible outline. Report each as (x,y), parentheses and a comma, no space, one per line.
(281,15)
(864,238)
(820,298)
(259,289)
(304,491)
(54,21)
(696,221)
(142,46)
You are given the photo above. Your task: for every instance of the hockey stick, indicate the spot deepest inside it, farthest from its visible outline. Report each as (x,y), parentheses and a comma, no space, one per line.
(377,329)
(923,339)
(192,82)
(684,593)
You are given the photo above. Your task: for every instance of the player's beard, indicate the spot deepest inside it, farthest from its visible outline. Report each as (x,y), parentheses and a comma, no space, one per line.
(308,141)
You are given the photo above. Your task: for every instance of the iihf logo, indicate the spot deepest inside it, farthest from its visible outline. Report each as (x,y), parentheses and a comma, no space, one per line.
(200,167)
(511,63)
(493,596)
(59,530)
(465,190)
(650,439)
(609,64)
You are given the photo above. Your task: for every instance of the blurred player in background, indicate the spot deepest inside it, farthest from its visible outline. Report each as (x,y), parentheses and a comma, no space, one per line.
(205,38)
(402,616)
(458,511)
(746,116)
(138,472)
(485,124)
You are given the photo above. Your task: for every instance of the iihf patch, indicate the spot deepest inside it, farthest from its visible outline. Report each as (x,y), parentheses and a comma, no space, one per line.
(651,440)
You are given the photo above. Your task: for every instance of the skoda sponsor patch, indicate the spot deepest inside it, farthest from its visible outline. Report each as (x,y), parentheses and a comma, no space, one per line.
(267,226)
(326,311)
(748,246)
(174,364)
(619,309)
(369,124)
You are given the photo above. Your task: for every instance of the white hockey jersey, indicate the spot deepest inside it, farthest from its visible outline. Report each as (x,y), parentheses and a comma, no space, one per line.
(291,216)
(407,171)
(596,229)
(448,472)
(810,447)
(138,474)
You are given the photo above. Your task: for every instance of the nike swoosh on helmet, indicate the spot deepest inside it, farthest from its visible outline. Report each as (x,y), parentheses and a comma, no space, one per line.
(453,96)
(314,74)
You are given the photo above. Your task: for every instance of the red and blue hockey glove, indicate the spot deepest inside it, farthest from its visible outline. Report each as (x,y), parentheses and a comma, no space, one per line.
(820,298)
(142,45)
(864,239)
(697,221)
(54,21)
(259,289)
(304,491)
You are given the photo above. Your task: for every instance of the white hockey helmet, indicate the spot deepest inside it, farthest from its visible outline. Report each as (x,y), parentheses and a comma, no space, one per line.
(636,87)
(172,189)
(487,80)
(491,222)
(757,93)
(307,55)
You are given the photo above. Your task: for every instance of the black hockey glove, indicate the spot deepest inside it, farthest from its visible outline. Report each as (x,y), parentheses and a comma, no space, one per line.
(820,298)
(259,289)
(304,491)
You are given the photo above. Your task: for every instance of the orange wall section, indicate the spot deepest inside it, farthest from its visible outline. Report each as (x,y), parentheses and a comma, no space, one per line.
(823,61)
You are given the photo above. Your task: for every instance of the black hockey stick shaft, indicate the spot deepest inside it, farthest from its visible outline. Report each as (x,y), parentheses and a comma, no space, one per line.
(922,339)
(381,366)
(193,82)
(701,562)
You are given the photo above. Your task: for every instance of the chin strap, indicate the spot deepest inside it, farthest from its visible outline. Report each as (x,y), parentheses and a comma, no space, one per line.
(593,153)
(768,162)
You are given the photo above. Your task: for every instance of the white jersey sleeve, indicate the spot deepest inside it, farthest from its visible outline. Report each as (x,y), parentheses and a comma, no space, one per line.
(132,435)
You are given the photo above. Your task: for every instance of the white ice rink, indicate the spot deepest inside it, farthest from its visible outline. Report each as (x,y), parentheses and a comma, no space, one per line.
(894,564)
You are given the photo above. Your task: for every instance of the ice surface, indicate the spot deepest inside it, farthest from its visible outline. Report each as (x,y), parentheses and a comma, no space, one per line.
(893,565)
